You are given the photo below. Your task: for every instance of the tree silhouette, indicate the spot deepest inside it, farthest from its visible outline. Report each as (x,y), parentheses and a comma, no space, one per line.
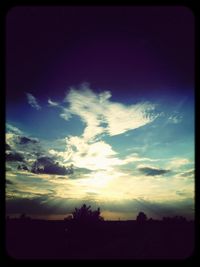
(142,217)
(85,214)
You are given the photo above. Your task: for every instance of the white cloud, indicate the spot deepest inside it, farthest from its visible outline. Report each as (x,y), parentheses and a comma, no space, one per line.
(94,156)
(175,118)
(82,154)
(104,116)
(122,118)
(178,162)
(10,138)
(52,103)
(101,116)
(32,101)
(66,115)
(12,129)
(134,157)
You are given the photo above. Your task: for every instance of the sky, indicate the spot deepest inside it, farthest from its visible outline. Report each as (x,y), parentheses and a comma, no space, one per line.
(100,110)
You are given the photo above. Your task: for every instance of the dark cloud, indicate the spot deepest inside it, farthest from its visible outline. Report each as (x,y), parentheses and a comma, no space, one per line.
(187,173)
(151,208)
(8,147)
(49,205)
(168,208)
(14,156)
(79,173)
(25,140)
(76,173)
(9,182)
(22,167)
(47,165)
(30,206)
(153,171)
(43,205)
(31,148)
(181,193)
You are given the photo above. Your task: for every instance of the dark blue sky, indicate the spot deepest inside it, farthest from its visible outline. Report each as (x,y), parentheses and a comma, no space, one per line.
(148,49)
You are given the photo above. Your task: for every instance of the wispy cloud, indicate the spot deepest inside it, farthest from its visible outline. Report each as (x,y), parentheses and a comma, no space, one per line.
(33,101)
(12,129)
(101,115)
(65,113)
(52,103)
(175,118)
(135,157)
(178,162)
(188,173)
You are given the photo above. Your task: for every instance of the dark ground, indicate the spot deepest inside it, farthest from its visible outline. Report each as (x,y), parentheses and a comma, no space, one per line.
(34,239)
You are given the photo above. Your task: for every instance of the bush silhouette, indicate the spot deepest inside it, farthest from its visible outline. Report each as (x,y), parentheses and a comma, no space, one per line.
(142,217)
(85,214)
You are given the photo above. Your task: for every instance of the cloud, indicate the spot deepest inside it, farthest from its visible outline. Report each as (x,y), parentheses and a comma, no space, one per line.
(154,209)
(134,157)
(52,103)
(49,205)
(101,116)
(178,162)
(150,171)
(188,173)
(66,115)
(35,158)
(23,167)
(48,166)
(8,147)
(14,156)
(182,193)
(28,206)
(8,182)
(104,116)
(25,140)
(80,173)
(93,156)
(19,139)
(42,205)
(175,118)
(28,146)
(32,101)
(12,129)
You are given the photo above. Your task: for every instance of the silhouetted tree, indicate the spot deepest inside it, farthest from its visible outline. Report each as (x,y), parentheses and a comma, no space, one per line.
(85,213)
(142,217)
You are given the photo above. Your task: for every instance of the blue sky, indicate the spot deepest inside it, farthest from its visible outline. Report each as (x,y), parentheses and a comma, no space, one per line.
(103,115)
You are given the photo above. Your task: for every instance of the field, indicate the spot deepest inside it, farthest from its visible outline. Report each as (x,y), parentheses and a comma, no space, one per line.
(35,239)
